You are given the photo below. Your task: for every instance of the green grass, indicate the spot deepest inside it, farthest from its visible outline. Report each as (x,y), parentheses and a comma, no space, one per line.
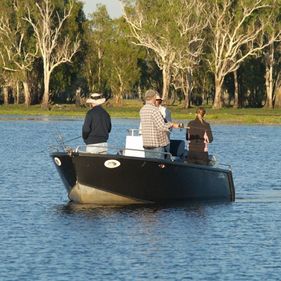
(130,109)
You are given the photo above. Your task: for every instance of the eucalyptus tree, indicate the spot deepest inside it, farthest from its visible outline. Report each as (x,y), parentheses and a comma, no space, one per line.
(272,53)
(153,25)
(68,82)
(277,84)
(277,103)
(237,35)
(121,61)
(19,51)
(97,36)
(191,23)
(55,46)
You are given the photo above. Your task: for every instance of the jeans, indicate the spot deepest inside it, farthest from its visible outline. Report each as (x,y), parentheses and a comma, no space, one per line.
(155,153)
(99,148)
(167,149)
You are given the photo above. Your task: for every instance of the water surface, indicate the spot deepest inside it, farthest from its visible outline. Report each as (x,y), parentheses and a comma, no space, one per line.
(43,237)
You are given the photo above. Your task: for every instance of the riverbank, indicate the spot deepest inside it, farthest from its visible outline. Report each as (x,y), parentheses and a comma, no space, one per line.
(130,109)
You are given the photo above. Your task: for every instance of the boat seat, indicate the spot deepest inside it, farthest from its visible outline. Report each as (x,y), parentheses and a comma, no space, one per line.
(177,148)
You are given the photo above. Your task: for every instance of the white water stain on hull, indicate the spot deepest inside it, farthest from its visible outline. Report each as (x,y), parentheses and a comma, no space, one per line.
(84,194)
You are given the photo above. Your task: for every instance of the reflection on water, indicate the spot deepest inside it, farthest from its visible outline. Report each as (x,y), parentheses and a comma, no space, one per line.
(75,208)
(45,237)
(271,196)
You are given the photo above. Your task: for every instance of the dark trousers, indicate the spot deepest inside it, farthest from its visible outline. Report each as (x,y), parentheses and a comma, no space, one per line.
(195,157)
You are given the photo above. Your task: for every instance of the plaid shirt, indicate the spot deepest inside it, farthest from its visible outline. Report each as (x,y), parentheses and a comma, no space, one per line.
(153,127)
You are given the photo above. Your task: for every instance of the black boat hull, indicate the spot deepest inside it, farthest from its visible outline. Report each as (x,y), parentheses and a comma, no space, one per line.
(117,179)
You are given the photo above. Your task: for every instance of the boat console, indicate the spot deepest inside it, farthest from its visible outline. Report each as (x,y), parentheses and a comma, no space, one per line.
(134,146)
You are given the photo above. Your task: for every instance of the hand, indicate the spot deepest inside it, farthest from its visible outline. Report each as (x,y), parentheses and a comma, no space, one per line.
(175,125)
(181,125)
(178,125)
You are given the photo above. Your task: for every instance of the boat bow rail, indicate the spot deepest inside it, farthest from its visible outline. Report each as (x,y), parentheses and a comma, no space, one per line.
(134,148)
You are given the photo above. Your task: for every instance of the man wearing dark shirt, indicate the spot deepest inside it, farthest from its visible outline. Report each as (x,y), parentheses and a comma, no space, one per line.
(97,125)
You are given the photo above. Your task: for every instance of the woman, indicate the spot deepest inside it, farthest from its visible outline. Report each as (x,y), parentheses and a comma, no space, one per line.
(199,134)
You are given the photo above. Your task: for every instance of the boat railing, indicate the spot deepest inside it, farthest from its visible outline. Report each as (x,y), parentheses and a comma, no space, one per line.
(121,151)
(139,153)
(225,166)
(134,132)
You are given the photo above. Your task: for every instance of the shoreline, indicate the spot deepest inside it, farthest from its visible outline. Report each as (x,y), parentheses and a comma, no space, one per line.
(130,110)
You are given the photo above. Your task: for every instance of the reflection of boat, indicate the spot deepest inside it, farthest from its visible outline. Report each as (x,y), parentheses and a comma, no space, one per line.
(128,177)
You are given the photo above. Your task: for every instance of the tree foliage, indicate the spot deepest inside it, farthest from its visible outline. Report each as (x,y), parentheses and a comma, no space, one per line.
(222,52)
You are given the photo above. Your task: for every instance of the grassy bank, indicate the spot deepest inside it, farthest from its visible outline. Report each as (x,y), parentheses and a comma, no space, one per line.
(130,109)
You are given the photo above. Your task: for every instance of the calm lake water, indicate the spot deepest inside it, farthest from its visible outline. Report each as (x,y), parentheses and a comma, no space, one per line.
(43,237)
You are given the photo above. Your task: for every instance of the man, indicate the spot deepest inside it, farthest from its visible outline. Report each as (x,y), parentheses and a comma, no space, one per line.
(166,113)
(154,129)
(199,134)
(97,125)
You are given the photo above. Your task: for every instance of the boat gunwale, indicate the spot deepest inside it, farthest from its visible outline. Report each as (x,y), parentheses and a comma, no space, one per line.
(74,153)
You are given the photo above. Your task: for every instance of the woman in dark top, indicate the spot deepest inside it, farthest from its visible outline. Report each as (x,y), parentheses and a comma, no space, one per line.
(199,134)
(97,125)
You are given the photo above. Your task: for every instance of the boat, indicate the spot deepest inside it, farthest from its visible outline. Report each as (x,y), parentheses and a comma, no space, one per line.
(125,176)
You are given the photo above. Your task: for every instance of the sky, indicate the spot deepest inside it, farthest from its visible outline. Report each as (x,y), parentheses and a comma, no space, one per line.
(113,7)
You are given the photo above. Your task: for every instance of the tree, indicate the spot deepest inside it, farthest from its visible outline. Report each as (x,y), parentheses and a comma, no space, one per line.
(152,24)
(98,35)
(189,49)
(237,35)
(19,51)
(271,53)
(120,60)
(55,47)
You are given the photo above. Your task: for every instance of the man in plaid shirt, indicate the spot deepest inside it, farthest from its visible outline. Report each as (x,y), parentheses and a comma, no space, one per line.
(153,127)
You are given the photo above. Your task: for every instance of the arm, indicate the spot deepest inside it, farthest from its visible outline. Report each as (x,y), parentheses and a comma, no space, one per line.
(109,124)
(159,121)
(209,133)
(86,129)
(168,115)
(187,136)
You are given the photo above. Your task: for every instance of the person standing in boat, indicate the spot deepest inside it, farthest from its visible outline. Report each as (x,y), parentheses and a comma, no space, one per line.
(167,115)
(199,134)
(154,129)
(97,125)
(165,112)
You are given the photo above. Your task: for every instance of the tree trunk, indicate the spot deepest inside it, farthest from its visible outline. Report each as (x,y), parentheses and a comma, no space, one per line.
(277,103)
(186,101)
(6,95)
(218,89)
(139,92)
(187,90)
(45,99)
(17,99)
(120,90)
(236,96)
(27,98)
(99,67)
(118,99)
(166,82)
(269,78)
(78,97)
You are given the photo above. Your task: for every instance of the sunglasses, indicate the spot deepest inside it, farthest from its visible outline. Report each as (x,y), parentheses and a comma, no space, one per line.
(96,98)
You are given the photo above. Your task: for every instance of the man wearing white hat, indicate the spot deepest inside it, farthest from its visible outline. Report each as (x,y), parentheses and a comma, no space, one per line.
(97,125)
(165,112)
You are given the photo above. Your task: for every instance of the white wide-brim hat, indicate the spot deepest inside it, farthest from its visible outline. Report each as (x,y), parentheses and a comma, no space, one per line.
(158,97)
(96,99)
